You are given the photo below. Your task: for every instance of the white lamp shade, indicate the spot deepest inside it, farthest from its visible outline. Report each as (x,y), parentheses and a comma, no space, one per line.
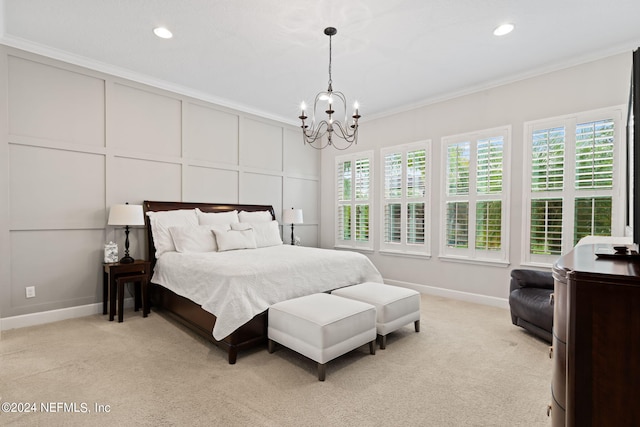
(292,216)
(126,215)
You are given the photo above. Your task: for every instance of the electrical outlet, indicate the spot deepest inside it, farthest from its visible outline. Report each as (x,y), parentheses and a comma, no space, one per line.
(30,291)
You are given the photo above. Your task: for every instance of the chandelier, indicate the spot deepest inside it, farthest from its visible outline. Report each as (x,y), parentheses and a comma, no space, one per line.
(313,134)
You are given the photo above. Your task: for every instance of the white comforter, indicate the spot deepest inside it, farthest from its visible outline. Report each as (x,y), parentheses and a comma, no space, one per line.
(237,285)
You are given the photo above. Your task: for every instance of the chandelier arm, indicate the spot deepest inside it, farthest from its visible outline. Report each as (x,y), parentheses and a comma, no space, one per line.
(345,134)
(314,134)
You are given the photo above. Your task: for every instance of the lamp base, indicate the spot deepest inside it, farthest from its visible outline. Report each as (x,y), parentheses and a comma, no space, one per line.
(126,260)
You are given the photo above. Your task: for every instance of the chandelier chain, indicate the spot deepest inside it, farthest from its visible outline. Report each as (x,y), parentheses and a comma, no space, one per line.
(330,81)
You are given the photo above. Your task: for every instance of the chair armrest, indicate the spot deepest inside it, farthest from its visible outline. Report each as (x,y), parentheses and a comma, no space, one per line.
(522,278)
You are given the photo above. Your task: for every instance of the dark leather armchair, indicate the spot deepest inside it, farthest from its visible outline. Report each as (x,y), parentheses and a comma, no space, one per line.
(530,301)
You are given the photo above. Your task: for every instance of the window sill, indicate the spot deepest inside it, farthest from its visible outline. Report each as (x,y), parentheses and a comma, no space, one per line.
(408,254)
(353,248)
(478,261)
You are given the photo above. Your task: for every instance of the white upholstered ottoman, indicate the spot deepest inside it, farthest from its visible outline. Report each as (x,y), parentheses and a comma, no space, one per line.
(322,327)
(395,306)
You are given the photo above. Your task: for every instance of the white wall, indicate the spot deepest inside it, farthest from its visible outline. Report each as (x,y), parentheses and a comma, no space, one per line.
(603,83)
(76,141)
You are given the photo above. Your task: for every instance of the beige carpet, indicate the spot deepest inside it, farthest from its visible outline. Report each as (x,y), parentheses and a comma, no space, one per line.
(467,367)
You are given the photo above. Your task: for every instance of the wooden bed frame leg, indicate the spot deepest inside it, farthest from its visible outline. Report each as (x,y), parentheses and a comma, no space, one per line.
(233,355)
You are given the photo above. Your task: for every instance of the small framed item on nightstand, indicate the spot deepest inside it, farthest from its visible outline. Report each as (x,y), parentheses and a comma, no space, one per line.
(110,252)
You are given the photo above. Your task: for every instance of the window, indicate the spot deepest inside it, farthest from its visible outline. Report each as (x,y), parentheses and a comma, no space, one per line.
(474,218)
(572,177)
(405,192)
(354,176)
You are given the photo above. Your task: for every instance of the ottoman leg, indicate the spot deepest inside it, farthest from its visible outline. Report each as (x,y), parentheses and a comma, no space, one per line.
(322,370)
(417,325)
(383,342)
(271,346)
(372,347)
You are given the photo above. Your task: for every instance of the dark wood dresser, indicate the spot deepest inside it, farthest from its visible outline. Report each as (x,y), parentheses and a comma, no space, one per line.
(596,340)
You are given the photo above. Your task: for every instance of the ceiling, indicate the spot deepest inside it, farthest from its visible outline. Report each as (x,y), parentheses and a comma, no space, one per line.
(266,56)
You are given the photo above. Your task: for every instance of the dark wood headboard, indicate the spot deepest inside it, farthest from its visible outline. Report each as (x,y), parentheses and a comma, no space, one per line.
(151,206)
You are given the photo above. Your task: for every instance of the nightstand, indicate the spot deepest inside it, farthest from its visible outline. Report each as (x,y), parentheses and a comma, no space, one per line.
(115,275)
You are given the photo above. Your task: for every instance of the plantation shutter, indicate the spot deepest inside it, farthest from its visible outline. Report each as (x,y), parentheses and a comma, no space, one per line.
(353,190)
(458,157)
(392,196)
(546,226)
(594,154)
(416,189)
(547,159)
(489,170)
(344,186)
(457,231)
(489,225)
(592,217)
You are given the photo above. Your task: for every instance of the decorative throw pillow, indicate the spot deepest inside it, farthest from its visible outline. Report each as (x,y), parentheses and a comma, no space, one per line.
(160,222)
(266,233)
(217,218)
(234,239)
(254,217)
(195,238)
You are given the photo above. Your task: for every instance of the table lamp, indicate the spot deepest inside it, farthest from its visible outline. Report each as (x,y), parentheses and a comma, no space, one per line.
(126,215)
(292,216)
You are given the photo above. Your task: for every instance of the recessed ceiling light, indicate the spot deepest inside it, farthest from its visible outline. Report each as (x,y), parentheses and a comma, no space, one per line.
(503,29)
(162,32)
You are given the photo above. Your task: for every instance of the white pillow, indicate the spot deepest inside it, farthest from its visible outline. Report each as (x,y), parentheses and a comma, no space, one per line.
(267,233)
(195,238)
(257,216)
(161,221)
(217,218)
(234,239)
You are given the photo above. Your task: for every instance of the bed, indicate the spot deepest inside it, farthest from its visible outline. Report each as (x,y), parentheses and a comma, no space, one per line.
(223,295)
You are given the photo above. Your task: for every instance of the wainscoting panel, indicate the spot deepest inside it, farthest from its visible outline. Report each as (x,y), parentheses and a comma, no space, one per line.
(210,135)
(63,266)
(207,185)
(51,188)
(53,103)
(261,145)
(299,158)
(136,180)
(146,122)
(262,189)
(302,194)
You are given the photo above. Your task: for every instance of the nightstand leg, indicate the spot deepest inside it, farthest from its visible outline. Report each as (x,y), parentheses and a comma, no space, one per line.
(120,301)
(105,292)
(145,298)
(112,298)
(136,295)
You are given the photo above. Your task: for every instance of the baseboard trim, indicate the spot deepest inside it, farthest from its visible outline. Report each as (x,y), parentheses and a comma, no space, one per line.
(51,316)
(449,293)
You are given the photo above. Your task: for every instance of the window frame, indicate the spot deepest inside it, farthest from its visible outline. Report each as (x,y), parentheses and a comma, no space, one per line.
(569,193)
(472,254)
(352,243)
(403,247)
